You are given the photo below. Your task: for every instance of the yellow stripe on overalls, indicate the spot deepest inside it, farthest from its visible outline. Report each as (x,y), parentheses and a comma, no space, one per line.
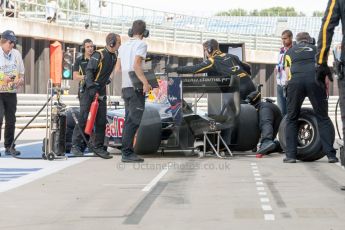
(324,31)
(100,65)
(207,67)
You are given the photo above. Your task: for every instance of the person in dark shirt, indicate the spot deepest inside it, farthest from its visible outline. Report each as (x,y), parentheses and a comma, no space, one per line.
(98,71)
(220,64)
(79,68)
(79,72)
(334,13)
(300,66)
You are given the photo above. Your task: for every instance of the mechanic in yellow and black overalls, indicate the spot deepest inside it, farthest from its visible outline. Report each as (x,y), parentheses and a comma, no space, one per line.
(300,65)
(334,13)
(98,71)
(220,64)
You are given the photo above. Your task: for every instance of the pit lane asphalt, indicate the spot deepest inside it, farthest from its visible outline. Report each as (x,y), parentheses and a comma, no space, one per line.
(175,192)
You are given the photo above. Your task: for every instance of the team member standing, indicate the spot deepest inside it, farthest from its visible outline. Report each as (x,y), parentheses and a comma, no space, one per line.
(79,72)
(335,11)
(220,64)
(79,68)
(300,63)
(11,78)
(279,71)
(98,72)
(131,58)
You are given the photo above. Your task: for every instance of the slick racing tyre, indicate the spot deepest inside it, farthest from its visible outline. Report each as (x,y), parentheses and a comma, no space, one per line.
(148,136)
(308,140)
(248,132)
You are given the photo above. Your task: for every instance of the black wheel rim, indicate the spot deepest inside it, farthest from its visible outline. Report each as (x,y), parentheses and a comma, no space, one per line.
(306,133)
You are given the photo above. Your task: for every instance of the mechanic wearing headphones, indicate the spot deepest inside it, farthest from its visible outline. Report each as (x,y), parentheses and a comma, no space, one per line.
(220,64)
(270,117)
(98,72)
(132,55)
(300,65)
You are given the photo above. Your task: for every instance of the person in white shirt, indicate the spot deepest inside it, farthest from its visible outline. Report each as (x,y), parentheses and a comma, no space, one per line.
(279,71)
(11,78)
(131,58)
(51,11)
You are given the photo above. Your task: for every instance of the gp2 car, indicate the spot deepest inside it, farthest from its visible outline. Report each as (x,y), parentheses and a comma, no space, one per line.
(170,123)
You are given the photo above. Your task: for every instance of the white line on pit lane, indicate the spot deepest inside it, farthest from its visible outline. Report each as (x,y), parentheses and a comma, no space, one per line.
(23,145)
(266,207)
(264,200)
(155,180)
(47,168)
(269,217)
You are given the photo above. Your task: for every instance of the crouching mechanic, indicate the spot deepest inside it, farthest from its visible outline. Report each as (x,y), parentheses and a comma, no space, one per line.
(98,70)
(220,64)
(270,117)
(300,65)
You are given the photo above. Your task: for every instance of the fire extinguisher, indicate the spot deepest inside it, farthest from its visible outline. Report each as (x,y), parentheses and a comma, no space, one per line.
(92,116)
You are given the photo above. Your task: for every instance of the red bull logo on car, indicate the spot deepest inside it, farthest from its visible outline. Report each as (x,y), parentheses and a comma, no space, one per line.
(115,128)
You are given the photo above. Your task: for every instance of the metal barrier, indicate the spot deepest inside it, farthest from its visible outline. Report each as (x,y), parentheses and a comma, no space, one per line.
(118,18)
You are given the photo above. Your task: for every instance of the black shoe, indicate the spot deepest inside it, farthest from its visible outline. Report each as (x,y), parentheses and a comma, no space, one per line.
(289,160)
(99,151)
(278,148)
(266,147)
(342,188)
(11,151)
(333,160)
(132,158)
(76,151)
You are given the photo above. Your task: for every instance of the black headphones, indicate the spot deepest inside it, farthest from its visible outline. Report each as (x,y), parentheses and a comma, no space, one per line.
(209,47)
(83,45)
(311,41)
(146,33)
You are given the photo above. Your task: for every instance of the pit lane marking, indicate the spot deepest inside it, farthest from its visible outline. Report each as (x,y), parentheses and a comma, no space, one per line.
(155,180)
(269,217)
(45,168)
(264,200)
(23,145)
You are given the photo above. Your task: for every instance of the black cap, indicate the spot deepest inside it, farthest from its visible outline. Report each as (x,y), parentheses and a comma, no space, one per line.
(9,35)
(254,97)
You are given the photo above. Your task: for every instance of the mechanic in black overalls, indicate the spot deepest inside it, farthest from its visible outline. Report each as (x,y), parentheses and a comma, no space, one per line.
(334,13)
(220,64)
(79,71)
(270,117)
(98,71)
(300,64)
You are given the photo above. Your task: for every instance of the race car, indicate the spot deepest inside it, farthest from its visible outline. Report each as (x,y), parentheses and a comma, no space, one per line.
(169,122)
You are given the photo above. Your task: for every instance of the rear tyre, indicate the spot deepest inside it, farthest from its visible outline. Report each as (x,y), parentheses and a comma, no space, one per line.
(148,137)
(309,146)
(248,132)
